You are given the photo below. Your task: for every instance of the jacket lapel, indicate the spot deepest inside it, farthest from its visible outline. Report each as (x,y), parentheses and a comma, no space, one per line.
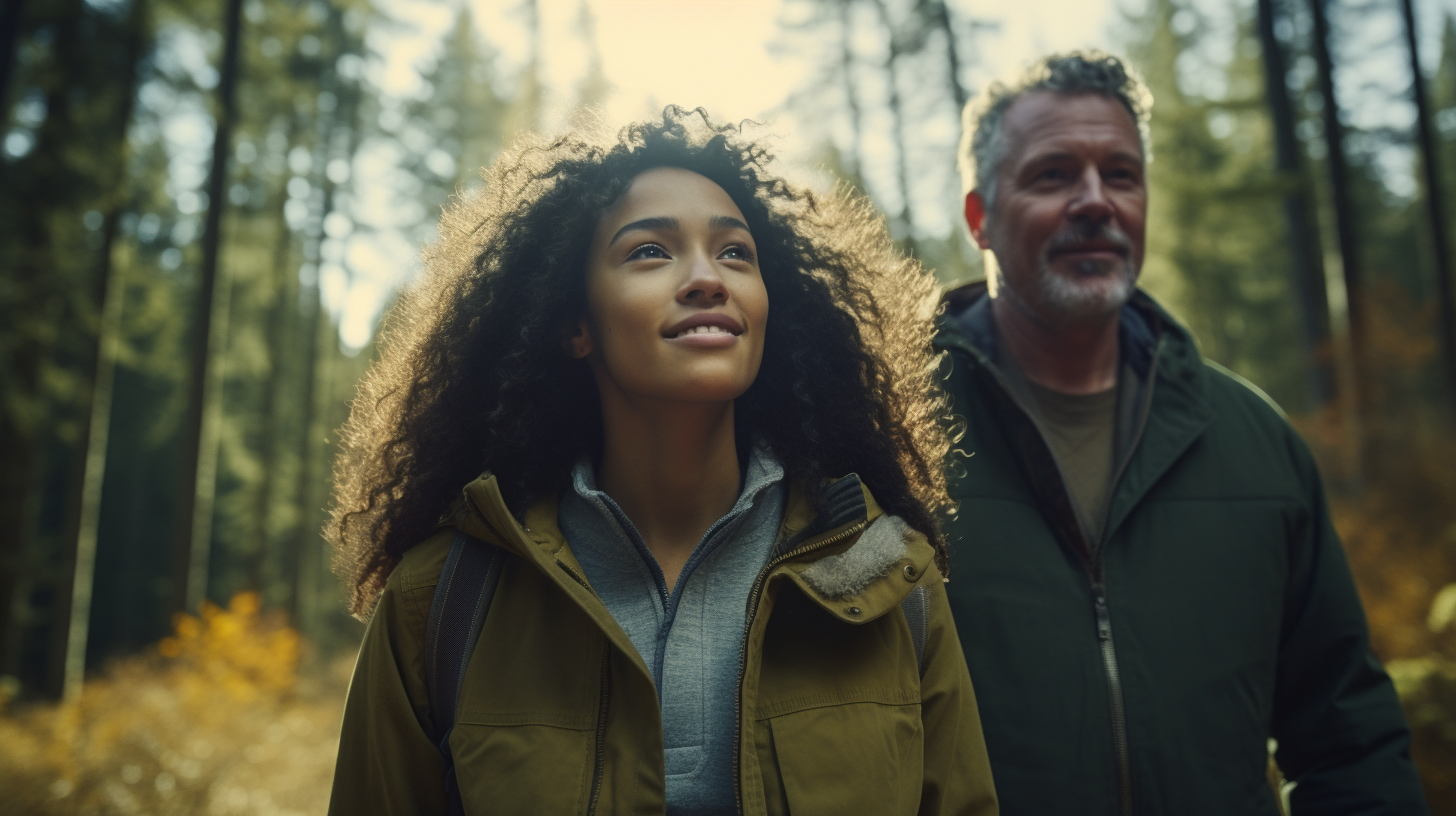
(1174,414)
(539,542)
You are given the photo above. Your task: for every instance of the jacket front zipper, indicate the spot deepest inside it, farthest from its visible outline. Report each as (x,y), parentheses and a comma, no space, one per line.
(1122,753)
(1114,694)
(1093,559)
(596,788)
(752,611)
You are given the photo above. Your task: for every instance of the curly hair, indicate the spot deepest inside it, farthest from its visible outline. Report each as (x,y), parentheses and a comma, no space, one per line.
(473,376)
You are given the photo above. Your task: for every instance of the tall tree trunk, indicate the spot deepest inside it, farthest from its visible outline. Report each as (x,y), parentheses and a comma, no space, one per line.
(303,605)
(938,14)
(263,570)
(897,116)
(1435,202)
(846,72)
(267,569)
(1359,418)
(192,539)
(1346,229)
(1304,246)
(71,616)
(24,422)
(308,554)
(527,108)
(11,13)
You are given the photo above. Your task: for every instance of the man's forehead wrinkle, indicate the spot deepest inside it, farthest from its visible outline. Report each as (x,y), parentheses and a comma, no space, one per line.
(1073,132)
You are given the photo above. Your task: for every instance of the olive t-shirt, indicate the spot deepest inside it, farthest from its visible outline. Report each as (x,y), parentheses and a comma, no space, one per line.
(1079,428)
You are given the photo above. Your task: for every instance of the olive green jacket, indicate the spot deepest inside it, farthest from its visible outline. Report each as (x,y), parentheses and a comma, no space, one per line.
(558,714)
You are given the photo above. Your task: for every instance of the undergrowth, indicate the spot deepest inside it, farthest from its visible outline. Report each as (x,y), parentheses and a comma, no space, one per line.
(215,720)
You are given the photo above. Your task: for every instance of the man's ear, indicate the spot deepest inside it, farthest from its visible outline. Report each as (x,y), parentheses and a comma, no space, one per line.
(578,343)
(976,218)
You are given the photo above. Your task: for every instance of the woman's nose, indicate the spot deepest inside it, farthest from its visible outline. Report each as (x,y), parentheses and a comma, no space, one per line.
(704,283)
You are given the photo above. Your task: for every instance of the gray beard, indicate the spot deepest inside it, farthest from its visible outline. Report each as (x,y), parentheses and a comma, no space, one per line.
(1096,295)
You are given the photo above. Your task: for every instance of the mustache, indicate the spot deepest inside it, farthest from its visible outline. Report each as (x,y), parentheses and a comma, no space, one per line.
(1085,233)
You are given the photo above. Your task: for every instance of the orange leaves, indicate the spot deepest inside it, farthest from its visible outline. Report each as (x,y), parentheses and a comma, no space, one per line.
(239,650)
(217,720)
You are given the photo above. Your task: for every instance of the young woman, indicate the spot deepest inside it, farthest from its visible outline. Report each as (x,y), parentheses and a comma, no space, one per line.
(689,408)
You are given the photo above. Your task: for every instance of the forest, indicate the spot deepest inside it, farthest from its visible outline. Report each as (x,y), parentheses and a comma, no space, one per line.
(205,207)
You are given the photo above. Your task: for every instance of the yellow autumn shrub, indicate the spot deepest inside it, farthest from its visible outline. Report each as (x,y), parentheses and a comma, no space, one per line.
(214,721)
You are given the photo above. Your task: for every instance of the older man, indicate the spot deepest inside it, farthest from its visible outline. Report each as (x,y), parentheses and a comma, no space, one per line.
(1146,581)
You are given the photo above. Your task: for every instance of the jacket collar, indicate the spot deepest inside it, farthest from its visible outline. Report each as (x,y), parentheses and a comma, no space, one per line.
(1174,409)
(848,555)
(1141,324)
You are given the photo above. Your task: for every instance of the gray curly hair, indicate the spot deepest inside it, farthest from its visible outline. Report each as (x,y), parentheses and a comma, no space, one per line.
(983,138)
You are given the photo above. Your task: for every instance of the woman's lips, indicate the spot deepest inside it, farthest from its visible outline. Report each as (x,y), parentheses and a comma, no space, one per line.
(704,330)
(704,336)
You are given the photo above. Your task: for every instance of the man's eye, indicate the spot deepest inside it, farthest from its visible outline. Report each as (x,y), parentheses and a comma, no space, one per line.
(1051,174)
(647,251)
(737,252)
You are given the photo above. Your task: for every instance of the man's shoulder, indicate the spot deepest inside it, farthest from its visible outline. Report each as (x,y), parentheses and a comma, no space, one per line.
(1235,403)
(1227,385)
(957,297)
(1250,433)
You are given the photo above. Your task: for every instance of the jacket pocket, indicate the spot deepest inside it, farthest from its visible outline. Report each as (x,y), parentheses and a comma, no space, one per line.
(525,769)
(852,758)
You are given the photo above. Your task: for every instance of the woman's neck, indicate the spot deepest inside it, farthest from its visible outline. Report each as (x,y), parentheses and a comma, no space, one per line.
(673,469)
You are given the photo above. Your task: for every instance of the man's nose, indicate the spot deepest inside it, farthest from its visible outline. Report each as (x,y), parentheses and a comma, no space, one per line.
(704,283)
(1090,202)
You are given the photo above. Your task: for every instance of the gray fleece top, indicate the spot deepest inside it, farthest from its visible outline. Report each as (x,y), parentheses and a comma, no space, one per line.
(690,638)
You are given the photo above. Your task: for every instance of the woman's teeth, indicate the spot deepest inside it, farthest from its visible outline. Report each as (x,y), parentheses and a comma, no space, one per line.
(702,330)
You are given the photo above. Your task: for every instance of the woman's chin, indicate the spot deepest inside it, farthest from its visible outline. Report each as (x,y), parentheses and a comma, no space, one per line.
(704,389)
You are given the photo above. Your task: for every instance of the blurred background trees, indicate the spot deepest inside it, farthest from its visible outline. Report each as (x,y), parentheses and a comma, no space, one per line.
(163,443)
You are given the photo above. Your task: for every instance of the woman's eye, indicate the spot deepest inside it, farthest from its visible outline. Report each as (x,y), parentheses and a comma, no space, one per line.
(647,251)
(737,252)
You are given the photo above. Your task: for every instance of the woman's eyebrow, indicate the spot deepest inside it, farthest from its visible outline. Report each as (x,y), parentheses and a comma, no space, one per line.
(655,223)
(727,222)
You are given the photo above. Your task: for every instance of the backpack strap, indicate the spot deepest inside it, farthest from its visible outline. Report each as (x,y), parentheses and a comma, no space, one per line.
(462,597)
(916,608)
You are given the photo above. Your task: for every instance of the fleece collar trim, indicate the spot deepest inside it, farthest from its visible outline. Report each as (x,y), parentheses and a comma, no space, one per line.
(879,548)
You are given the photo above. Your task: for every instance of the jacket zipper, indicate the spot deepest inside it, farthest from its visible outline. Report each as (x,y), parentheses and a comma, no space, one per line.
(752,611)
(601,735)
(596,787)
(1114,695)
(1110,669)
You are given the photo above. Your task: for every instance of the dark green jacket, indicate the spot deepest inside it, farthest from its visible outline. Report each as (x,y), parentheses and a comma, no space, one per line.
(1144,674)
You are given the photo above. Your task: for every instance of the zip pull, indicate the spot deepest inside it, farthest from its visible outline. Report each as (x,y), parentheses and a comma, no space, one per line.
(1104,620)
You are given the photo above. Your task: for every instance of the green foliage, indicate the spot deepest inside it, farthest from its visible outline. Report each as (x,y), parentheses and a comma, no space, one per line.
(110,119)
(1216,247)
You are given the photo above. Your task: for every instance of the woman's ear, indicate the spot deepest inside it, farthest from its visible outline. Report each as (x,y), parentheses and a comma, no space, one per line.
(579,343)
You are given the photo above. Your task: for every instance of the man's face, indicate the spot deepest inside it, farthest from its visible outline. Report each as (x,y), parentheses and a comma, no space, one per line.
(1066,224)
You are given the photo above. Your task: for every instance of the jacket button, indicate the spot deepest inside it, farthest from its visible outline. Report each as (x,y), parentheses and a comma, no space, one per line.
(853,610)
(911,573)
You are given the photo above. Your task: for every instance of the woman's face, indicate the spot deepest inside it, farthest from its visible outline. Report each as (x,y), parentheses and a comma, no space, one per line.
(676,307)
